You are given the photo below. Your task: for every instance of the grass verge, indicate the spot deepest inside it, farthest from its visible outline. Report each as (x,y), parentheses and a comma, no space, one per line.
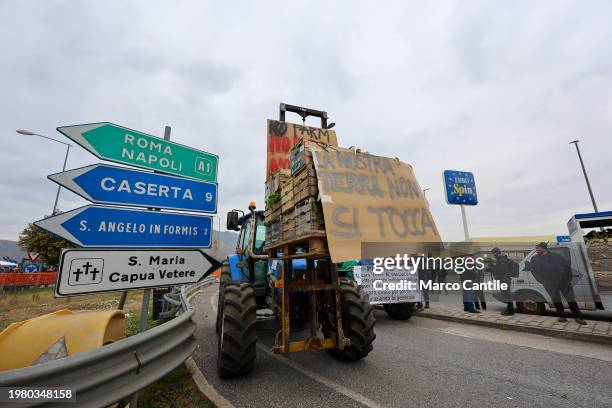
(176,390)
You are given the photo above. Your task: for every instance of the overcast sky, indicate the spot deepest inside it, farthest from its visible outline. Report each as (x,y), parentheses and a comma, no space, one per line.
(496,88)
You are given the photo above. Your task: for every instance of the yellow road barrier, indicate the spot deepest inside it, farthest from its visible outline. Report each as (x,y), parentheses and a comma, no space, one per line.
(23,343)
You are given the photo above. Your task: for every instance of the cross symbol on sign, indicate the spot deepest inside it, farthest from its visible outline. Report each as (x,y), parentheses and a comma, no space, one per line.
(86,271)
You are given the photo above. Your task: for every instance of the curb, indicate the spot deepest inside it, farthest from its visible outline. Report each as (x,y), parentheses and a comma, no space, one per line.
(546,331)
(204,386)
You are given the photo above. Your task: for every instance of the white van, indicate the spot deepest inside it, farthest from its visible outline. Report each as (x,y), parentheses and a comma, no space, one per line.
(591,270)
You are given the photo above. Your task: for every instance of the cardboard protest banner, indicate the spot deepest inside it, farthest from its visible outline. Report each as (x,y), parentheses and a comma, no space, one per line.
(282,136)
(369,199)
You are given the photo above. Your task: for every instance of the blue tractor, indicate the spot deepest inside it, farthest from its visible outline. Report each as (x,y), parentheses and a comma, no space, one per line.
(292,281)
(316,305)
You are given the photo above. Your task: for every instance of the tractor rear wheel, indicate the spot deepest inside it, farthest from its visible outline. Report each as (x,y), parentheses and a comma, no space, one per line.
(226,276)
(357,321)
(237,331)
(399,311)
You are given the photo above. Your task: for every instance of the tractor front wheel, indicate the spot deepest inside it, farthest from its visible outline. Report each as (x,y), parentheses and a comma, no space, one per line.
(357,321)
(226,276)
(237,332)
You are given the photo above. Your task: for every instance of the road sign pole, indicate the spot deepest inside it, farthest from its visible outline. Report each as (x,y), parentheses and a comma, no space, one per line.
(146,294)
(465,225)
(144,310)
(122,300)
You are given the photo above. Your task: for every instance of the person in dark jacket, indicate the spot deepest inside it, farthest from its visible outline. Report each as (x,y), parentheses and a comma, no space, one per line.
(424,275)
(468,294)
(479,296)
(442,279)
(554,273)
(502,271)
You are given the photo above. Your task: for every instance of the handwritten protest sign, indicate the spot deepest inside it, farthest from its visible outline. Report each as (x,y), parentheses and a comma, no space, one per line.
(282,136)
(372,284)
(369,198)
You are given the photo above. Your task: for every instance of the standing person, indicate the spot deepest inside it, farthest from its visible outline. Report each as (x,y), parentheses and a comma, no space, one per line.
(554,273)
(468,294)
(504,270)
(442,279)
(424,275)
(479,296)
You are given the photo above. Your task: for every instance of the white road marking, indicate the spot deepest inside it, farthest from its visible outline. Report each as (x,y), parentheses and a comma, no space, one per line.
(355,396)
(456,333)
(213,302)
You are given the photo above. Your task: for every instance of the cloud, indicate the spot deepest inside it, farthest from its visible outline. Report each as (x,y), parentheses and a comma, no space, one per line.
(497,89)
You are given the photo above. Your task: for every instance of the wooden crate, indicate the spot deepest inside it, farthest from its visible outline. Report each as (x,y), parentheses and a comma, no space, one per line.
(273,213)
(288,226)
(304,229)
(305,173)
(305,184)
(286,189)
(273,232)
(300,156)
(287,206)
(308,216)
(305,194)
(287,197)
(274,183)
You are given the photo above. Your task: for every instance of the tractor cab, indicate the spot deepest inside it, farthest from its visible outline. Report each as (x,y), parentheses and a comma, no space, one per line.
(249,263)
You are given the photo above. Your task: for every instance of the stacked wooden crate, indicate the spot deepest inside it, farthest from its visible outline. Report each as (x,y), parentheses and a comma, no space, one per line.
(307,212)
(292,206)
(273,213)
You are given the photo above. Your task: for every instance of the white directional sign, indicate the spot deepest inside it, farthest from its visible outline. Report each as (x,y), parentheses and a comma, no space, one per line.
(84,271)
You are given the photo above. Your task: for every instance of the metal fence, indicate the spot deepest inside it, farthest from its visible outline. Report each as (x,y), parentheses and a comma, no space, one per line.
(106,375)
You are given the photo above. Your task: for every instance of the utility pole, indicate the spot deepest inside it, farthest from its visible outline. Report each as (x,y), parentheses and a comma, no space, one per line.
(68,146)
(586,178)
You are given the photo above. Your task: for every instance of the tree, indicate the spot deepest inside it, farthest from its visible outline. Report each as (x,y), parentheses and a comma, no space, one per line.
(48,245)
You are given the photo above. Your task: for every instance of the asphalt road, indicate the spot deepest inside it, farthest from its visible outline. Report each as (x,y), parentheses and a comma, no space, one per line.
(421,362)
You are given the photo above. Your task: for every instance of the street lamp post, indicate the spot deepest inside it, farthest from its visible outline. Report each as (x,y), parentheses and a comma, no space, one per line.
(68,146)
(586,178)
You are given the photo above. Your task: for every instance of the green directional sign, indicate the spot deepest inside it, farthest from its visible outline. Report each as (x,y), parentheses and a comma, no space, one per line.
(122,145)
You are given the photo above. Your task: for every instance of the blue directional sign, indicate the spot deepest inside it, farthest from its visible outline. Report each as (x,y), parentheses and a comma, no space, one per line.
(101,226)
(564,238)
(104,184)
(460,187)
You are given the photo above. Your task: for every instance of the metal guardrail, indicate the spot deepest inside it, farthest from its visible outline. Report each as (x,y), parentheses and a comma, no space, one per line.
(106,375)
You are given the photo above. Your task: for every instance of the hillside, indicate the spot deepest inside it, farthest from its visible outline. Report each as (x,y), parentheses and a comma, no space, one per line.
(10,249)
